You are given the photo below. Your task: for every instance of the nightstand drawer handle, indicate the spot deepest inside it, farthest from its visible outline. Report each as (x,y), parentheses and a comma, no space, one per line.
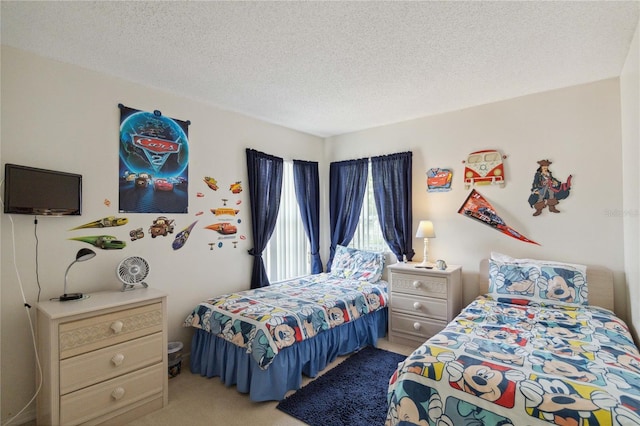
(417,284)
(417,305)
(117,359)
(116,326)
(117,393)
(416,325)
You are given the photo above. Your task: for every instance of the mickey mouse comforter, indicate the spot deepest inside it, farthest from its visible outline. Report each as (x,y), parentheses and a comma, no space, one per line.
(266,320)
(501,363)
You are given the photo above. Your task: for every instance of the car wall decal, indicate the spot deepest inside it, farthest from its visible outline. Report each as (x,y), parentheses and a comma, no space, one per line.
(223,228)
(235,187)
(161,226)
(439,180)
(211,183)
(182,236)
(108,221)
(104,242)
(136,234)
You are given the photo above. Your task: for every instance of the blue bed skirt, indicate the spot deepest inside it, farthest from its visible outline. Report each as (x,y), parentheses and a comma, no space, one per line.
(212,356)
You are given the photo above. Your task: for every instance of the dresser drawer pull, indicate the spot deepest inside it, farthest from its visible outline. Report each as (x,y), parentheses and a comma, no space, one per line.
(416,325)
(417,305)
(116,326)
(117,359)
(417,284)
(117,393)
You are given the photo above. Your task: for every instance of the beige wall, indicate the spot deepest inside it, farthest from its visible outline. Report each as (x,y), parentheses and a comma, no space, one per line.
(630,124)
(577,128)
(64,117)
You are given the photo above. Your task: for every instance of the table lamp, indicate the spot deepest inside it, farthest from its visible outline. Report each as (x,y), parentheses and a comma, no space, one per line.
(82,255)
(425,230)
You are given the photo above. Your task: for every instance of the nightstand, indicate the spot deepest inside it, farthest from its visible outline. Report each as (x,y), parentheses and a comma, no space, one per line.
(422,301)
(104,358)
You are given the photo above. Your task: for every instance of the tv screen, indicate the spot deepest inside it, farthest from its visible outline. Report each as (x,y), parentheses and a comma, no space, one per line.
(28,190)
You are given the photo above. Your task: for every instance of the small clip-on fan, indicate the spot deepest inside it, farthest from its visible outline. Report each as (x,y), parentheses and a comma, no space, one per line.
(131,271)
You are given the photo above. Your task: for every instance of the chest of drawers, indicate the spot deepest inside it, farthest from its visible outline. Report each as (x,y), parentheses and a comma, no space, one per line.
(103,358)
(422,301)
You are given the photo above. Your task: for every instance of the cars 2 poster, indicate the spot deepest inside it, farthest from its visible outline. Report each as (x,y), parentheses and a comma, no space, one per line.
(154,163)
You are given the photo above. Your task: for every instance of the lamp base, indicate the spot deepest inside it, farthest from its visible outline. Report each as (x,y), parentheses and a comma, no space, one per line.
(70,296)
(425,265)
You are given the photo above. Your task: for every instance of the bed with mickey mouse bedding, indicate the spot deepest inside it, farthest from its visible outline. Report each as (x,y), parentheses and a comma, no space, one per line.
(536,349)
(263,340)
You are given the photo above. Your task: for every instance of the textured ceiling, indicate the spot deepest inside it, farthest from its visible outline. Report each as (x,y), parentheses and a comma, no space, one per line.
(328,68)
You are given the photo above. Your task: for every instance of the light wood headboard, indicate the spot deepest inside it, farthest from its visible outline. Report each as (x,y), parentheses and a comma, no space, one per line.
(599,281)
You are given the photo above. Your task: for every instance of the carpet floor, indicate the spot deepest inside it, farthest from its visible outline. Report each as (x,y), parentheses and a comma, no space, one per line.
(353,393)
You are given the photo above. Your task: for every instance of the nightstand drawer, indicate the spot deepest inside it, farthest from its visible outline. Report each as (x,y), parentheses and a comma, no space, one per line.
(421,328)
(94,401)
(436,308)
(78,337)
(431,286)
(93,367)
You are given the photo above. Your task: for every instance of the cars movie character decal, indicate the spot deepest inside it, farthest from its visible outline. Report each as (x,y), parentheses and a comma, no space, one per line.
(478,208)
(211,183)
(235,187)
(182,236)
(104,222)
(136,234)
(161,226)
(484,168)
(154,159)
(439,180)
(224,228)
(104,242)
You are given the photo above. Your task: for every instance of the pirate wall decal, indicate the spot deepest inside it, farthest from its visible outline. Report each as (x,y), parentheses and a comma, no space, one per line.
(547,191)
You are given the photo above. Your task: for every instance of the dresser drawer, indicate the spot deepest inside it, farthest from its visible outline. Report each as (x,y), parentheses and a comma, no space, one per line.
(95,401)
(431,286)
(93,367)
(436,308)
(78,337)
(418,327)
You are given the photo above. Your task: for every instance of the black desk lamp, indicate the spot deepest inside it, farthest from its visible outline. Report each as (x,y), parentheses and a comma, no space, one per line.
(81,256)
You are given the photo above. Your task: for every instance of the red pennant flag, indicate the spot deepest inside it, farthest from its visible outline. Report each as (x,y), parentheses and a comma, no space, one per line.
(476,207)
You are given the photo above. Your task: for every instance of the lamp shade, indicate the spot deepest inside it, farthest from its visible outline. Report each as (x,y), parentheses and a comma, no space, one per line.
(425,230)
(84,254)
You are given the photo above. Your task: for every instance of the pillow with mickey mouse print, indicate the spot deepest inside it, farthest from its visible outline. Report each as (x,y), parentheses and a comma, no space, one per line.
(542,281)
(357,264)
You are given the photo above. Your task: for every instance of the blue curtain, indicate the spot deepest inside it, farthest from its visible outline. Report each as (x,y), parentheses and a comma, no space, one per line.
(265,188)
(347,183)
(391,175)
(306,182)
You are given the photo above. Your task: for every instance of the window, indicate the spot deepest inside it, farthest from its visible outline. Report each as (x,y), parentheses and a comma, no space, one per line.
(368,235)
(287,253)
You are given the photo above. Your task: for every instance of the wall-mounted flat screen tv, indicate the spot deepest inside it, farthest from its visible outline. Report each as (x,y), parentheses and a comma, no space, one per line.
(29,190)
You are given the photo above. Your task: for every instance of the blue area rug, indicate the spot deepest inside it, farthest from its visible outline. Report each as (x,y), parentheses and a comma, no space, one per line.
(352,393)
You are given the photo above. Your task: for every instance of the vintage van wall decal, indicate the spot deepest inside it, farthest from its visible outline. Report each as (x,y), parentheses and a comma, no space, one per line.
(484,168)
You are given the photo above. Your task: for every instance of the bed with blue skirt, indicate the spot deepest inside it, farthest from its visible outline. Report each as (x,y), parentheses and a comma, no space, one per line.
(538,348)
(264,340)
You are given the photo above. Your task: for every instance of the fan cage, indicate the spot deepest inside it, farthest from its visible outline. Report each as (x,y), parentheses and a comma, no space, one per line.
(132,271)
